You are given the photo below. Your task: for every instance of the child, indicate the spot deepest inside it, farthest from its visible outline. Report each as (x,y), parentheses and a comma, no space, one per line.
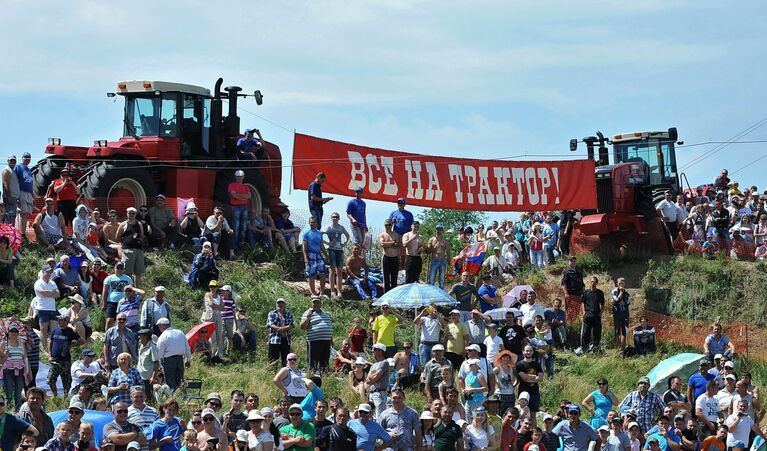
(189,442)
(357,337)
(93,243)
(446,373)
(522,402)
(100,404)
(493,343)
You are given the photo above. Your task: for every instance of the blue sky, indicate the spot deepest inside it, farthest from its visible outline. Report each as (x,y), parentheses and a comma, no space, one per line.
(479,79)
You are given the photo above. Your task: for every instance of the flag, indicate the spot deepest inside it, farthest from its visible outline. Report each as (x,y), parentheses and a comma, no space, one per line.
(470,259)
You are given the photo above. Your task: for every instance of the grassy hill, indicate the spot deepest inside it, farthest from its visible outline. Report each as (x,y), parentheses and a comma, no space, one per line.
(260,284)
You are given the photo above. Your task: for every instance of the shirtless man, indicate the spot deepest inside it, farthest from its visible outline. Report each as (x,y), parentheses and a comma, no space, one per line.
(110,233)
(439,249)
(405,378)
(413,242)
(357,269)
(389,244)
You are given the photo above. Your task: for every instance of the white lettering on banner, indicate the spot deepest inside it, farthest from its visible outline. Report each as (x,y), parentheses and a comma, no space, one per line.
(391,186)
(517,175)
(365,173)
(503,197)
(555,172)
(357,175)
(374,183)
(532,189)
(433,192)
(485,196)
(413,169)
(456,175)
(543,175)
(471,182)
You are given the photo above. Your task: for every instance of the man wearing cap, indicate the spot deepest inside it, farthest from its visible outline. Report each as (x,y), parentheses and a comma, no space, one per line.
(355,211)
(384,327)
(84,369)
(153,309)
(298,435)
(430,324)
(141,414)
(239,200)
(119,339)
(378,379)
(457,339)
(645,403)
(414,246)
(402,422)
(696,385)
(122,432)
(62,339)
(438,248)
(163,222)
(368,431)
(390,246)
(432,375)
(335,233)
(316,201)
(249,147)
(174,351)
(280,324)
(11,190)
(51,228)
(148,362)
(25,201)
(130,234)
(401,219)
(618,438)
(66,192)
(312,249)
(574,433)
(319,335)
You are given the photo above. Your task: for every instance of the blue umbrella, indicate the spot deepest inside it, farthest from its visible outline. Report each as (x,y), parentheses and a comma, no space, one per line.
(98,418)
(414,295)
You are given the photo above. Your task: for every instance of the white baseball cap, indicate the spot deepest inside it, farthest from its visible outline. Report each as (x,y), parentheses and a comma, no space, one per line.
(239,173)
(380,347)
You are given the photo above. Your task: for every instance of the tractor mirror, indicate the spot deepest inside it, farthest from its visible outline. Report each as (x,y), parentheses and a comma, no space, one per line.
(111,94)
(259,97)
(573,145)
(672,134)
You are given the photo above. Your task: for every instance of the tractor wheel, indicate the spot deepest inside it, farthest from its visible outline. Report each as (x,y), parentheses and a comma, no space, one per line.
(118,185)
(45,172)
(259,193)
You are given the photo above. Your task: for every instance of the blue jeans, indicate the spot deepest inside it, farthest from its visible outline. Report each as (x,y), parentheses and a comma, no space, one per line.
(14,382)
(239,223)
(437,268)
(536,259)
(317,214)
(424,352)
(361,289)
(197,241)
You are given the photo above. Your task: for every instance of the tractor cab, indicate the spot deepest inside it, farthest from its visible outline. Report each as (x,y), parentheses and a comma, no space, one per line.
(656,149)
(172,113)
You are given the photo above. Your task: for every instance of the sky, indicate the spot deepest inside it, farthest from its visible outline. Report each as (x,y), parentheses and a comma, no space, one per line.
(478,79)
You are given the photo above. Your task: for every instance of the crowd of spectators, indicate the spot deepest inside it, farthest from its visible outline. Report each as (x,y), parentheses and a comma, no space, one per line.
(468,364)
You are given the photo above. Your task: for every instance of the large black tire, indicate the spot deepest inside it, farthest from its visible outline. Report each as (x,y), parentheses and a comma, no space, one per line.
(258,190)
(45,172)
(103,180)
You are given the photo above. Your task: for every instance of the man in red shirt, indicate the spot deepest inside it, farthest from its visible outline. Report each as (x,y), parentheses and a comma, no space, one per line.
(239,199)
(65,190)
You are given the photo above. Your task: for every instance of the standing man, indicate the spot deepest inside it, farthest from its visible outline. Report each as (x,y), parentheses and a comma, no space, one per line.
(696,385)
(645,403)
(575,434)
(430,323)
(131,235)
(707,410)
(402,422)
(464,292)
(378,379)
(566,222)
(280,323)
(118,339)
(335,233)
(390,261)
(175,354)
(432,374)
(368,431)
(319,335)
(33,412)
(557,318)
(530,375)
(488,295)
(11,190)
(312,249)
(572,288)
(457,339)
(316,201)
(148,363)
(550,238)
(448,436)
(667,211)
(401,219)
(355,211)
(413,243)
(65,191)
(593,304)
(14,427)
(477,332)
(26,200)
(439,250)
(153,310)
(239,199)
(384,326)
(62,340)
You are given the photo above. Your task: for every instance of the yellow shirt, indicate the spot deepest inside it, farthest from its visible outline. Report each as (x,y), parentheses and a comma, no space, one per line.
(385,326)
(455,337)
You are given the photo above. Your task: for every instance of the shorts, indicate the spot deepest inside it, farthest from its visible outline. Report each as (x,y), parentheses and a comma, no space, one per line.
(110,309)
(535,402)
(336,257)
(46,316)
(10,206)
(134,261)
(316,266)
(53,239)
(621,325)
(25,203)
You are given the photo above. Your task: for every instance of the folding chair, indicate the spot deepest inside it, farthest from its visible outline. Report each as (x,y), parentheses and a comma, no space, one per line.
(192,391)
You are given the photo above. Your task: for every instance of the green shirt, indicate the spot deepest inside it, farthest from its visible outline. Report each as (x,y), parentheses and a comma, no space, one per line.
(305,430)
(446,437)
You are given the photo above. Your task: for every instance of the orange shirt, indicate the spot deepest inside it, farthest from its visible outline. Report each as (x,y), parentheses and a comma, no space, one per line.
(69,192)
(712,444)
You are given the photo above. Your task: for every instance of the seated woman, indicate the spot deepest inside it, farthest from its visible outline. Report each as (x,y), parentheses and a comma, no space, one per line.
(204,268)
(191,227)
(79,316)
(7,274)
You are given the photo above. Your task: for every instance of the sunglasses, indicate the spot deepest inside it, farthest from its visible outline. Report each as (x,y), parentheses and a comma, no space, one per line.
(295,414)
(121,320)
(292,360)
(214,404)
(122,411)
(254,421)
(75,412)
(602,384)
(197,422)
(209,420)
(49,202)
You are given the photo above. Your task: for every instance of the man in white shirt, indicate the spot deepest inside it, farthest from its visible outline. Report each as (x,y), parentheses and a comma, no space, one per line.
(175,354)
(741,424)
(531,309)
(668,211)
(83,368)
(431,324)
(707,410)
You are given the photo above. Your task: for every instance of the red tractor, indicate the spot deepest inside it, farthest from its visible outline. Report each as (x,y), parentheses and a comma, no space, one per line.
(643,168)
(177,142)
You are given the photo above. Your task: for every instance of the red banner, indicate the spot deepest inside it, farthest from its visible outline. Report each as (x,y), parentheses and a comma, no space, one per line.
(444,182)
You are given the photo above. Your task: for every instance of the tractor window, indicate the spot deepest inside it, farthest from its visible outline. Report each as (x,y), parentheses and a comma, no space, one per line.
(658,156)
(168,118)
(193,143)
(142,116)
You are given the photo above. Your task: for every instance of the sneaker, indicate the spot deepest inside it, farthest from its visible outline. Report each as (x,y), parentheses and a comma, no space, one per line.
(155,249)
(172,246)
(578,351)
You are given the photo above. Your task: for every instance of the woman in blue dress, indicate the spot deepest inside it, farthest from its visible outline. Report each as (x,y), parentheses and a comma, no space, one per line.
(600,402)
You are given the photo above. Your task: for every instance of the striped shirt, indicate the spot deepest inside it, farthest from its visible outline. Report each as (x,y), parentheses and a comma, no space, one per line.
(274,319)
(33,356)
(144,419)
(130,307)
(320,326)
(228,309)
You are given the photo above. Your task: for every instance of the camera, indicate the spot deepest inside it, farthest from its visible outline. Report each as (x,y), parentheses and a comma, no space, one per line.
(213,440)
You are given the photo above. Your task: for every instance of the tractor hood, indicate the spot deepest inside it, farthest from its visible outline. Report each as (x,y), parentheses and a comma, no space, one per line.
(73,152)
(127,146)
